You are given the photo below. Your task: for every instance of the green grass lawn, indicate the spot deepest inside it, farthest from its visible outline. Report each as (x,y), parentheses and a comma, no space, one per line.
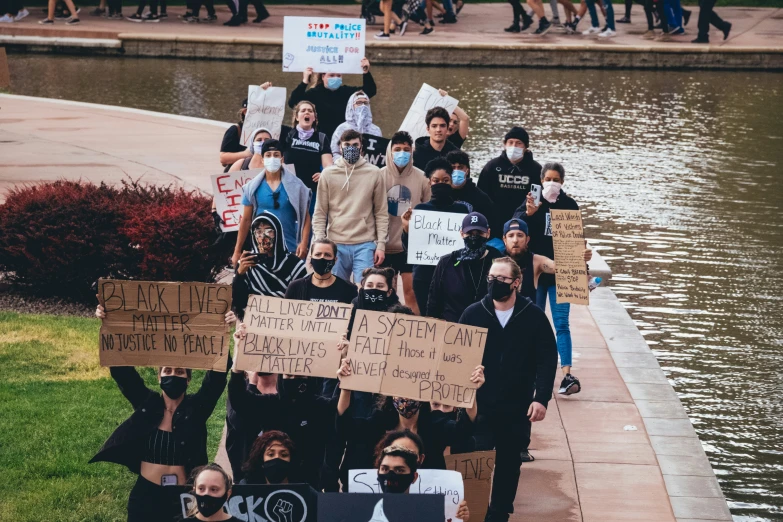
(57,406)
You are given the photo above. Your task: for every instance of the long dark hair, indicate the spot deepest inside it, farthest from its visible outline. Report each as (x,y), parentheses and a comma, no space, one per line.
(254,465)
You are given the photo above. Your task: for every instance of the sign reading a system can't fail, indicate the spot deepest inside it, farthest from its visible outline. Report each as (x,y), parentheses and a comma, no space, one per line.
(325,44)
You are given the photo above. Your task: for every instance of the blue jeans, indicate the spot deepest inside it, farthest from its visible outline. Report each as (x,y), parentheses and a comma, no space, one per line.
(673,10)
(594,14)
(560,313)
(354,259)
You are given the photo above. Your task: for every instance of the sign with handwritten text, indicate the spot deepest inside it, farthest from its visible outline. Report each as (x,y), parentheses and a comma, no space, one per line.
(292,337)
(150,323)
(374,148)
(568,239)
(265,110)
(432,235)
(476,469)
(325,44)
(414,357)
(227,191)
(427,98)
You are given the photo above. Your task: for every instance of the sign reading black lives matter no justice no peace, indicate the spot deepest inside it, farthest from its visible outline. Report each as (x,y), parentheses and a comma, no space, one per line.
(292,337)
(414,357)
(150,323)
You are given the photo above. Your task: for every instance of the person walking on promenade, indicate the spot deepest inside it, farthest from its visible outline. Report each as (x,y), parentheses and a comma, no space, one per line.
(71,20)
(708,16)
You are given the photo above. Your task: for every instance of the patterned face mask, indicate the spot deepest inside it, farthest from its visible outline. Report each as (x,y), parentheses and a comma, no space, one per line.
(406,407)
(351,154)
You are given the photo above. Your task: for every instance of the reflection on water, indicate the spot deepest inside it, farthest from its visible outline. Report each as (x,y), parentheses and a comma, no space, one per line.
(679,175)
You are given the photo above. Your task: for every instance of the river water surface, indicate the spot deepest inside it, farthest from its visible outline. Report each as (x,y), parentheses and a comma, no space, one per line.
(678,173)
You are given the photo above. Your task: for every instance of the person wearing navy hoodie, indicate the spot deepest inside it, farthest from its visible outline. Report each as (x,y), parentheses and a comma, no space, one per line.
(507,179)
(539,226)
(520,363)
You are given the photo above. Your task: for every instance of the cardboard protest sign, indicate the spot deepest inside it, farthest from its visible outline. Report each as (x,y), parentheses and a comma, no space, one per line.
(432,235)
(430,481)
(325,44)
(150,323)
(265,110)
(293,337)
(390,507)
(262,502)
(375,149)
(227,191)
(568,239)
(414,357)
(427,98)
(476,469)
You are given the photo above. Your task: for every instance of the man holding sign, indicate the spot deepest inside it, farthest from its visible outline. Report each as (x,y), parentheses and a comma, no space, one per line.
(520,360)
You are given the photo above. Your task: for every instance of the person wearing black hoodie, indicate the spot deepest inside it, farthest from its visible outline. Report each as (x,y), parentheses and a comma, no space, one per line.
(520,363)
(330,96)
(507,178)
(436,144)
(539,226)
(465,191)
(438,171)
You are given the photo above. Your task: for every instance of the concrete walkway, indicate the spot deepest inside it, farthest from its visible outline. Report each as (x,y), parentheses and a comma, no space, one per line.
(622,449)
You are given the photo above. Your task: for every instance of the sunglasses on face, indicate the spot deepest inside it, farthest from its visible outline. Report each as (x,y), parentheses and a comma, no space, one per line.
(268,233)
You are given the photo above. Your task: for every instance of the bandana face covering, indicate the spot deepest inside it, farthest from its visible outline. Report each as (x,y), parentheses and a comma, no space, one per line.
(475,246)
(406,407)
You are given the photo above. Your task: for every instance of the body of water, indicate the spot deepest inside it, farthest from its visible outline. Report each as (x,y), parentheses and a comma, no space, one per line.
(678,174)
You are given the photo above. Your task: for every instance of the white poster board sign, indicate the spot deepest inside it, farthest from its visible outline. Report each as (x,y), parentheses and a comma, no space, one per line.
(325,44)
(432,235)
(265,109)
(430,481)
(427,98)
(227,190)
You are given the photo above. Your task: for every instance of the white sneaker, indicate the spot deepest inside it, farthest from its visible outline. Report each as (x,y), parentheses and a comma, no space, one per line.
(608,33)
(591,31)
(5,19)
(21,14)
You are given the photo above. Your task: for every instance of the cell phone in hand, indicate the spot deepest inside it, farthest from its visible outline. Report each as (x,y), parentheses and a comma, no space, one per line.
(535,191)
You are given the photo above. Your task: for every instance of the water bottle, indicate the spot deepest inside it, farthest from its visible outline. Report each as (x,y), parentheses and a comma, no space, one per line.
(594,283)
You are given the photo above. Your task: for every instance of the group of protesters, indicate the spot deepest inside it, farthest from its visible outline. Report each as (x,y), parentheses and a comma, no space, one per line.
(334,228)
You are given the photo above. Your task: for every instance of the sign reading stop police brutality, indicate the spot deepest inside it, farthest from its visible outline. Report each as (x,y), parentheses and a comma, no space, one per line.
(227,191)
(325,44)
(432,235)
(414,357)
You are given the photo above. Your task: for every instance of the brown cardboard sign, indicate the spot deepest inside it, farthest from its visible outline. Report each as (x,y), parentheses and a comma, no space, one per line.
(152,323)
(292,337)
(415,357)
(476,469)
(568,240)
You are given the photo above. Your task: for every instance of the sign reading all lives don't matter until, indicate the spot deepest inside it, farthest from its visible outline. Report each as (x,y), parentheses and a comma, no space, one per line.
(432,235)
(150,323)
(325,44)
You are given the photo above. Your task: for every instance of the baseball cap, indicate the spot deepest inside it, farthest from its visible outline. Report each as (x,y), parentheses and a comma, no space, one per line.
(515,224)
(475,221)
(270,144)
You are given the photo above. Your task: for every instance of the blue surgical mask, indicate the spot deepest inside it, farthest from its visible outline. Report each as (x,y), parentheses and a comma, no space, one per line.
(458,178)
(401,158)
(334,83)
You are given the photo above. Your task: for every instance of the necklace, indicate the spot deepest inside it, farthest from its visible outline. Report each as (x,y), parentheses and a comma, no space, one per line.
(473,279)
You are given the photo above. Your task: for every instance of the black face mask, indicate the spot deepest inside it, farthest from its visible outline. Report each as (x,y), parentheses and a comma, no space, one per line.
(209,505)
(322,266)
(391,482)
(276,470)
(374,299)
(441,191)
(173,386)
(499,290)
(475,242)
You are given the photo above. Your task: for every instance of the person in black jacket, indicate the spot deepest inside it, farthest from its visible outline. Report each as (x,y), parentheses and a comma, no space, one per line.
(507,179)
(436,144)
(459,279)
(538,222)
(330,96)
(520,362)
(166,436)
(465,191)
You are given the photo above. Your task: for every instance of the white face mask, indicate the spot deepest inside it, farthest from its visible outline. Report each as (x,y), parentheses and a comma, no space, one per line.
(272,164)
(514,153)
(551,190)
(257,146)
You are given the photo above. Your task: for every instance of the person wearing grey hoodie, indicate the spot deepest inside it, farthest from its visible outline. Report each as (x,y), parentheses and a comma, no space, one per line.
(358,116)
(351,210)
(406,187)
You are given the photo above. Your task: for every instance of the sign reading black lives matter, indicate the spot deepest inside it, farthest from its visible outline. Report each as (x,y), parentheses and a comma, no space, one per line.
(432,235)
(150,323)
(414,357)
(263,503)
(292,337)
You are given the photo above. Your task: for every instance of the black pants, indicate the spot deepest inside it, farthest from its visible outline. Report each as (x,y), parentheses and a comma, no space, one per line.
(150,502)
(195,7)
(519,12)
(11,7)
(707,16)
(509,435)
(261,11)
(649,7)
(421,289)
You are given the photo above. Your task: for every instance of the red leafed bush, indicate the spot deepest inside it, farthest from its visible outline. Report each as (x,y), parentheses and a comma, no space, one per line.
(59,238)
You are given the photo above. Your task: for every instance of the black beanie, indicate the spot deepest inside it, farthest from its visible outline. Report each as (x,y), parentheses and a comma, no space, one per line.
(518,133)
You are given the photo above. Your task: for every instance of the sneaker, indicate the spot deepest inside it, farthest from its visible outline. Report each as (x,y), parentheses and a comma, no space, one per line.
(701,41)
(46,21)
(382,36)
(449,19)
(403,27)
(209,19)
(234,22)
(543,27)
(72,21)
(163,15)
(149,17)
(664,37)
(569,385)
(135,17)
(194,20)
(526,23)
(21,14)
(97,12)
(649,35)
(608,33)
(686,16)
(677,31)
(513,28)
(260,18)
(6,19)
(427,30)
(526,456)
(187,14)
(116,16)
(624,20)
(591,31)
(727,30)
